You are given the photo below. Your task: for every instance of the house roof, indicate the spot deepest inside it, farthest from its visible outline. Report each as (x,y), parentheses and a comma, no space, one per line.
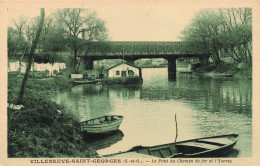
(123,63)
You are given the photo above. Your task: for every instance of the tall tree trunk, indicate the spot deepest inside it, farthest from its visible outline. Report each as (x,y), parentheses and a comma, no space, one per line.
(249,52)
(20,60)
(231,55)
(75,58)
(234,51)
(78,65)
(34,44)
(217,56)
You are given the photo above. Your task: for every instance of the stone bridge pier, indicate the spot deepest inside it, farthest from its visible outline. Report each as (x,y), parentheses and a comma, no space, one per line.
(172,68)
(88,63)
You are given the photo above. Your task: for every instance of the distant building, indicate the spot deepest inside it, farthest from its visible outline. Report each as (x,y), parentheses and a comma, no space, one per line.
(124,73)
(124,70)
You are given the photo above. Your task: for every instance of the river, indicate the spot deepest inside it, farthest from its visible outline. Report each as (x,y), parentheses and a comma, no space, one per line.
(203,106)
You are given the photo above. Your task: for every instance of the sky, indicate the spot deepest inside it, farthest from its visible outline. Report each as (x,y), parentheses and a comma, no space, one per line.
(146,24)
(134,22)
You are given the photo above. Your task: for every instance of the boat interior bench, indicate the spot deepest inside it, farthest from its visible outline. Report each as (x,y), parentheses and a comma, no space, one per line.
(115,117)
(102,119)
(199,145)
(216,141)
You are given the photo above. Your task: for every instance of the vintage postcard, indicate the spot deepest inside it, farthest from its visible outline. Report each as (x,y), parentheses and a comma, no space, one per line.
(129,82)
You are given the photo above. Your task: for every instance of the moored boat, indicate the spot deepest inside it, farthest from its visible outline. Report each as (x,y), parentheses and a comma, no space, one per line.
(223,75)
(84,82)
(101,125)
(200,147)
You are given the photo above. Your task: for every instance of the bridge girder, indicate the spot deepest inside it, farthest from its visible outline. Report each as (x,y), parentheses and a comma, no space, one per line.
(144,49)
(131,51)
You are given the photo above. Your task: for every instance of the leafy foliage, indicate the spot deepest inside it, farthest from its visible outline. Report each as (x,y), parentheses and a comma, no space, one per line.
(223,31)
(17,44)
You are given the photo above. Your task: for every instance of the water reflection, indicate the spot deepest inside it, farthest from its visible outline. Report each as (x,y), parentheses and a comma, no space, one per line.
(87,89)
(87,101)
(232,154)
(204,107)
(123,91)
(101,141)
(205,93)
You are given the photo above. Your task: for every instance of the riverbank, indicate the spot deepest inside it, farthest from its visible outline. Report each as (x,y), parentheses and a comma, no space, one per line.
(226,69)
(43,128)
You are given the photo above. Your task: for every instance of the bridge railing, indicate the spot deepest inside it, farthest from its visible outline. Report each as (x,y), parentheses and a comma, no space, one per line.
(138,48)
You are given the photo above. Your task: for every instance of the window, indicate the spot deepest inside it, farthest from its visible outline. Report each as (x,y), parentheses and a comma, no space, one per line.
(123,73)
(117,72)
(131,73)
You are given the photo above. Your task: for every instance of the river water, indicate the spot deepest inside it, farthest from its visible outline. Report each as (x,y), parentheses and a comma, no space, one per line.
(203,106)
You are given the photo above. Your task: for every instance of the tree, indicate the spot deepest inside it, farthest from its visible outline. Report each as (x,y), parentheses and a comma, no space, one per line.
(202,33)
(34,44)
(236,34)
(12,39)
(75,22)
(50,41)
(16,40)
(223,31)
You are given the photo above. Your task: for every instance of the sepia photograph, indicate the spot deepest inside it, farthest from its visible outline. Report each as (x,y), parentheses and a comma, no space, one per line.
(129,83)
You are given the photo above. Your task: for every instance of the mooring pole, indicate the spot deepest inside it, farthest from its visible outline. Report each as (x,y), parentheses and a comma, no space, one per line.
(176,124)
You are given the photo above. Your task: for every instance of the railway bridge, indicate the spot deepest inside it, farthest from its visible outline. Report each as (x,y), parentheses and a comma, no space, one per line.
(131,51)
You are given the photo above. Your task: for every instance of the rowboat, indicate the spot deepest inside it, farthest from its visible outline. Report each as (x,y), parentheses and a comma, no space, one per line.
(101,125)
(84,82)
(200,147)
(223,75)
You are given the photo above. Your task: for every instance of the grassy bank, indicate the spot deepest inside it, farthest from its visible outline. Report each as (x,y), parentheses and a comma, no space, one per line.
(228,68)
(43,128)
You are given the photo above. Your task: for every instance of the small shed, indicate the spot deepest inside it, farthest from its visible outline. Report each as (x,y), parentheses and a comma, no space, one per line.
(124,70)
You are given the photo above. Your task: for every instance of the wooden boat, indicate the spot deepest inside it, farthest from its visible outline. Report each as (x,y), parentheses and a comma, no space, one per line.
(200,147)
(84,82)
(100,125)
(223,75)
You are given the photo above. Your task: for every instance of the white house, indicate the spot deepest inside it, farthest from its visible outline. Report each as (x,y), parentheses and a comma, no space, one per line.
(124,70)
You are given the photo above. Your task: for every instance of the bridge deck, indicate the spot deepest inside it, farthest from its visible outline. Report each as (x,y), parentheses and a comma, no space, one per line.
(143,49)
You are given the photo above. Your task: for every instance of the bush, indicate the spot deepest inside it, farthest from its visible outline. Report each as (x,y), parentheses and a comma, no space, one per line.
(227,68)
(223,67)
(37,74)
(207,68)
